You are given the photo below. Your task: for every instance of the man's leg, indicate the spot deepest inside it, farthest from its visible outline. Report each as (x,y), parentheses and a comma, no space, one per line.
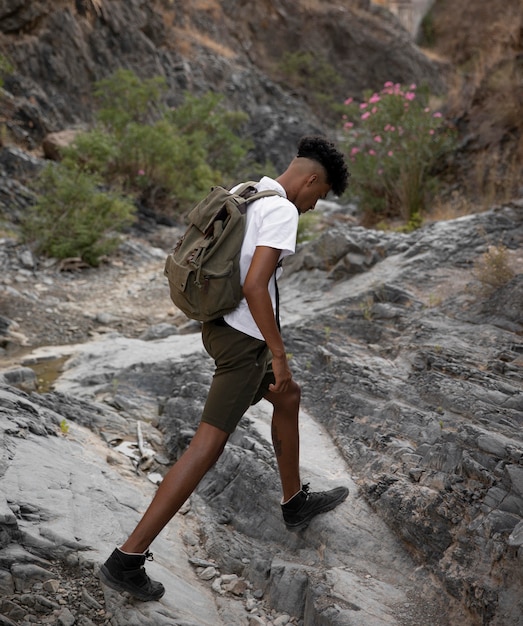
(299,505)
(178,484)
(286,437)
(124,569)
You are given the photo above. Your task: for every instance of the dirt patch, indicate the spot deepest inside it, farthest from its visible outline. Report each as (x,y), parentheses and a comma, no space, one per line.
(47,305)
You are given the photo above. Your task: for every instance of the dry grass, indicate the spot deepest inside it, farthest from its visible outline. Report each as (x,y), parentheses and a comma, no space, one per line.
(443,209)
(187,39)
(493,269)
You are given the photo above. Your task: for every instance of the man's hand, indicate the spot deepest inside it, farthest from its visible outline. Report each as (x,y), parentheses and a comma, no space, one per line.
(282,374)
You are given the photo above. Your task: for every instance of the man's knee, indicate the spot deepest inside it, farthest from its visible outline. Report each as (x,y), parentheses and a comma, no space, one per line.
(295,392)
(209,441)
(286,400)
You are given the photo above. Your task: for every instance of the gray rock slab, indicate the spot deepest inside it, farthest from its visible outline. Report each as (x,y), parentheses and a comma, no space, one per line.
(93,365)
(368,576)
(85,506)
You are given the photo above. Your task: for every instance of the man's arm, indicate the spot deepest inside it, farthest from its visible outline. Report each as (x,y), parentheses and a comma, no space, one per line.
(256,292)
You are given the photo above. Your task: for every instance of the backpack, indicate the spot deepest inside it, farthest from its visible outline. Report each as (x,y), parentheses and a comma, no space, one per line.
(204,268)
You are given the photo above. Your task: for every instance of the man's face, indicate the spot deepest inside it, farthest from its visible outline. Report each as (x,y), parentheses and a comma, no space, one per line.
(314,189)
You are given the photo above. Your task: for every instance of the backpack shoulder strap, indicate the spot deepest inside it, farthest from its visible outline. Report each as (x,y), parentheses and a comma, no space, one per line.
(245,187)
(249,192)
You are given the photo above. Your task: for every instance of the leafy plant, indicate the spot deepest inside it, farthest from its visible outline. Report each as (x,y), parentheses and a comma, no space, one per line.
(150,151)
(142,151)
(393,141)
(123,98)
(73,217)
(209,126)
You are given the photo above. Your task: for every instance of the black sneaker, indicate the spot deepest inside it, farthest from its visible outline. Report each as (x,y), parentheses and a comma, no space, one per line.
(125,572)
(298,512)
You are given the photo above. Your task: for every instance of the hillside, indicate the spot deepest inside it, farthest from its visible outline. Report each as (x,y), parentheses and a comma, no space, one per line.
(483,41)
(59,51)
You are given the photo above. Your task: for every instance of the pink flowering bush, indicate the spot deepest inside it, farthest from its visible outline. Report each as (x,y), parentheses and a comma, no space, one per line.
(393,141)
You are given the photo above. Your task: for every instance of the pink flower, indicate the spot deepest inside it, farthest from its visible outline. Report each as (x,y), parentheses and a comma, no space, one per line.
(388,84)
(348,125)
(413,86)
(431,131)
(437,114)
(377,139)
(372,152)
(375,98)
(354,151)
(410,95)
(141,173)
(365,115)
(348,101)
(363,105)
(374,110)
(426,110)
(390,153)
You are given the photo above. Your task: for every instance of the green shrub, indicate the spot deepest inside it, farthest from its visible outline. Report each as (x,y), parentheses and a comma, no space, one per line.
(73,218)
(151,151)
(93,152)
(139,149)
(207,125)
(393,141)
(123,98)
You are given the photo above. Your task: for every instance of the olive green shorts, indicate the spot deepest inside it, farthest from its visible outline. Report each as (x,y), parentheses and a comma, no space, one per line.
(242,375)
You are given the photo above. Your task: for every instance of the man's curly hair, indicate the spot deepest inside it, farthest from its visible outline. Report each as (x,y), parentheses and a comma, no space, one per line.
(324,152)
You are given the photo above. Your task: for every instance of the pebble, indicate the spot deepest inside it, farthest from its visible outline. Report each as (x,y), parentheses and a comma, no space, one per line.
(208,573)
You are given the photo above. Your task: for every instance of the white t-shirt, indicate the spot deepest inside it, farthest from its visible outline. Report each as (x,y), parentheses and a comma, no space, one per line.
(272,222)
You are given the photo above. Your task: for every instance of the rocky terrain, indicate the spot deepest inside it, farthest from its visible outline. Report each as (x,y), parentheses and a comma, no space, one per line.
(411,378)
(232,48)
(408,350)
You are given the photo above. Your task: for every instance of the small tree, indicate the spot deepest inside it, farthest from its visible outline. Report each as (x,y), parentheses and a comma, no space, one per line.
(123,98)
(393,141)
(151,151)
(73,218)
(207,124)
(140,149)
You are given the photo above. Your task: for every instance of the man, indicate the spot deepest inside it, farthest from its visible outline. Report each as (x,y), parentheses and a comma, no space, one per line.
(251,363)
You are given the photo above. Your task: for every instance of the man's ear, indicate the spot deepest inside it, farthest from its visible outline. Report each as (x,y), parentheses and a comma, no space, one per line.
(312,179)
